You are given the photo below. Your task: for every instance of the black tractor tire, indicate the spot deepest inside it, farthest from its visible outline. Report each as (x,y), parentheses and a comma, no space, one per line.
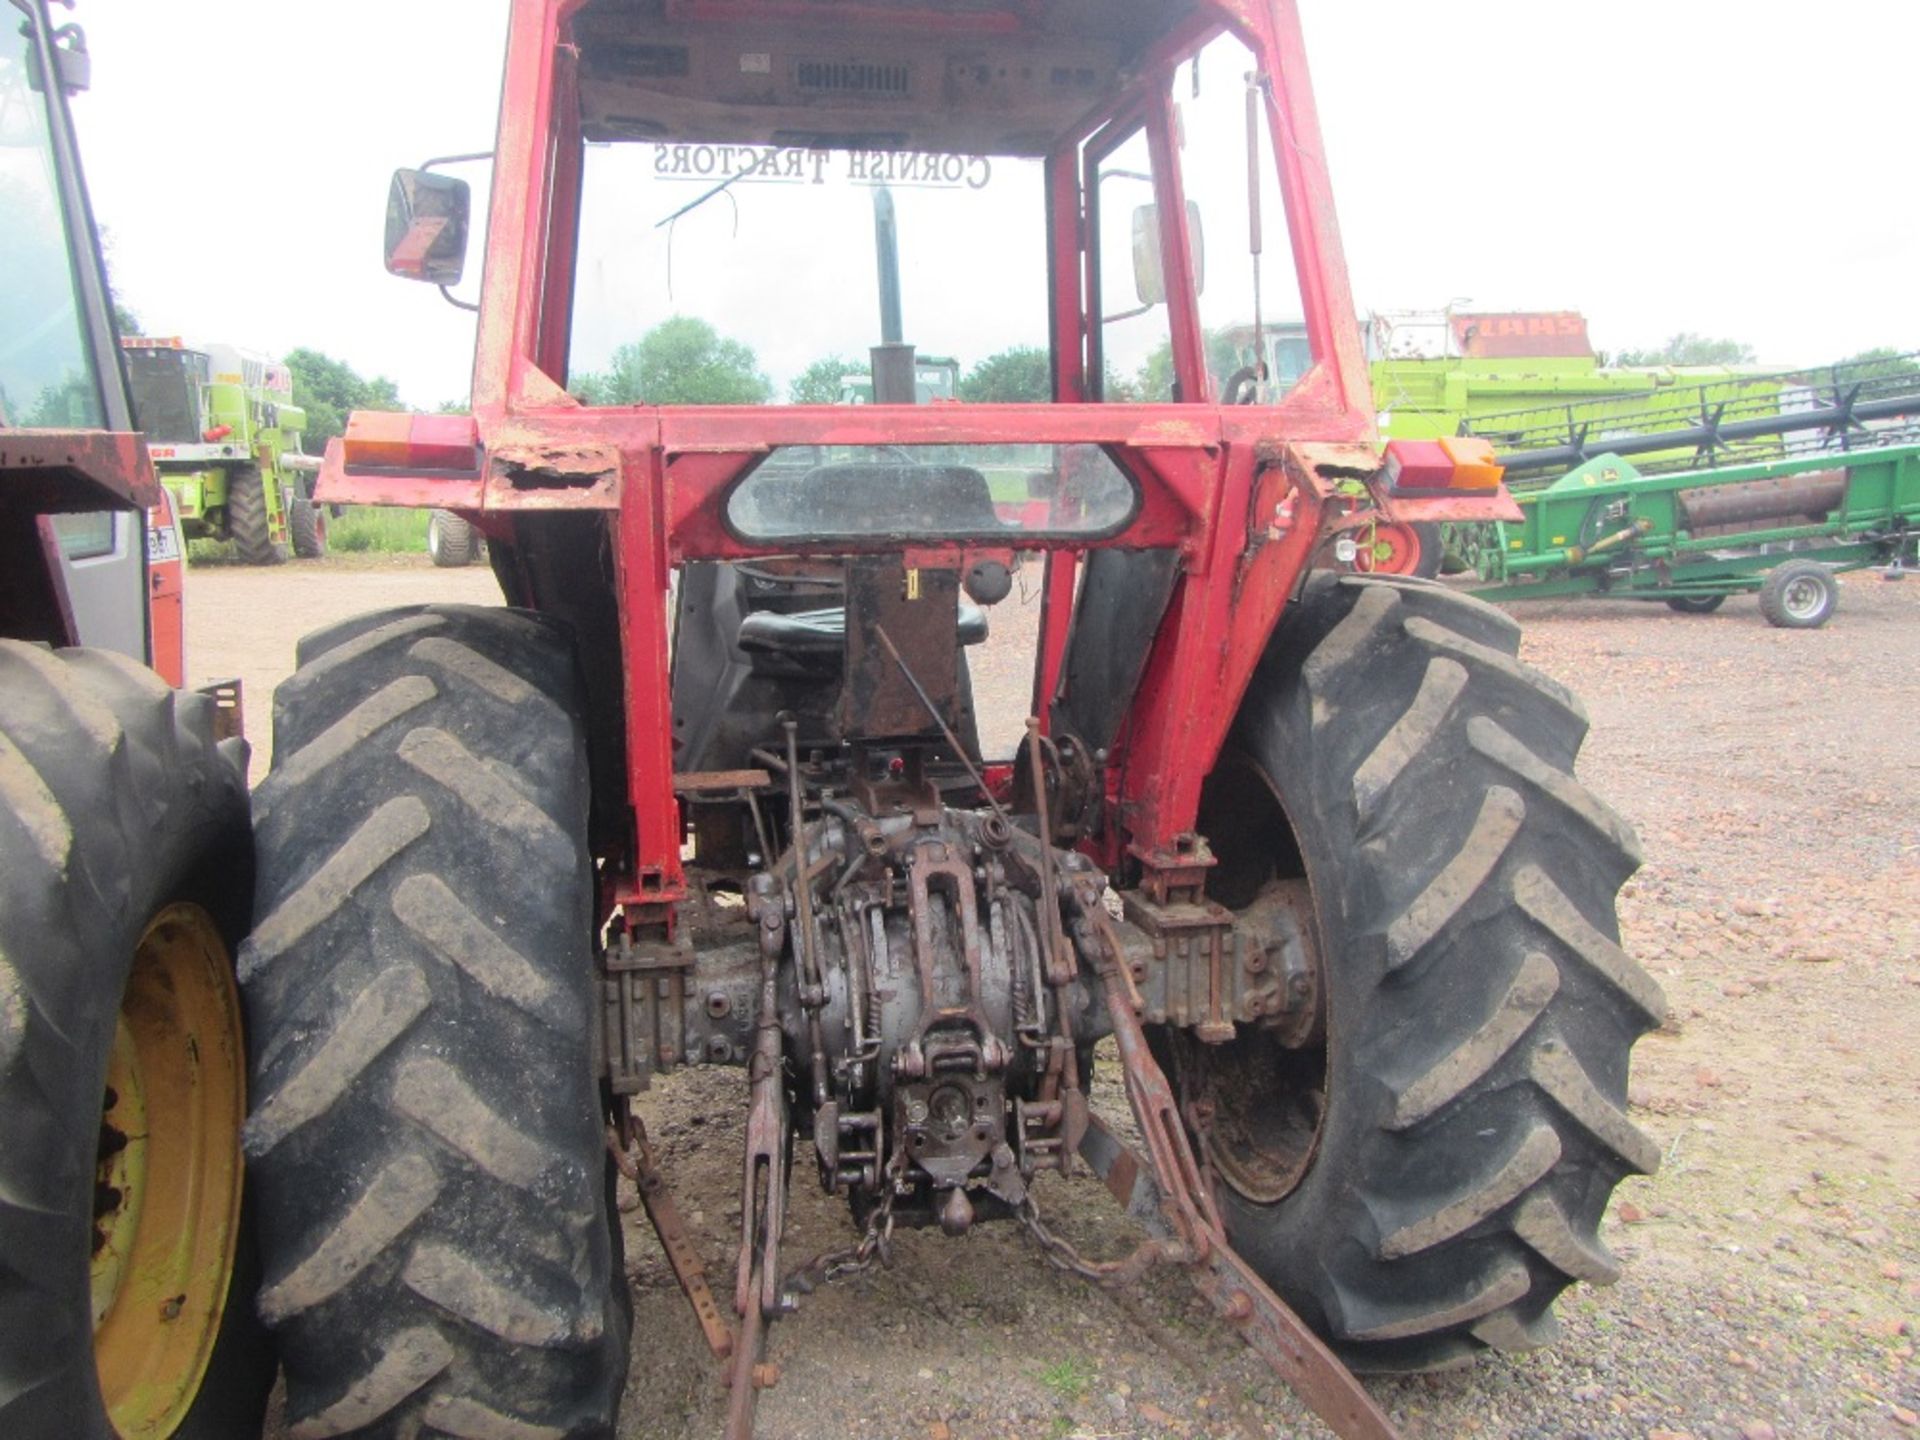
(247,527)
(451,541)
(307,526)
(117,806)
(1695,604)
(1471,1119)
(1433,549)
(426,1134)
(1799,595)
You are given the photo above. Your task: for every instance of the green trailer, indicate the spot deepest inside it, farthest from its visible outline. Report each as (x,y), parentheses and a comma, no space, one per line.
(224,436)
(1691,538)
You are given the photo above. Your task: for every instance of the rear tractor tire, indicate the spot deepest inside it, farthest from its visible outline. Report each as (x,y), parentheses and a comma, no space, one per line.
(1433,549)
(451,541)
(307,525)
(1799,595)
(127,1266)
(247,524)
(1421,1183)
(439,1242)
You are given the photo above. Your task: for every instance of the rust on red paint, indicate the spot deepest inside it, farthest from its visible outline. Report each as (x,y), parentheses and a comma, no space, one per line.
(62,471)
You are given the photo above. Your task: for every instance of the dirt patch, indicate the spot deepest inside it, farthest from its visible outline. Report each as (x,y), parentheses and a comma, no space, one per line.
(1772,1268)
(244,622)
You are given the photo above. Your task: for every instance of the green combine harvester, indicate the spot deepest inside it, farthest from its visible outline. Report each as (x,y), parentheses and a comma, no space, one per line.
(1437,373)
(224,436)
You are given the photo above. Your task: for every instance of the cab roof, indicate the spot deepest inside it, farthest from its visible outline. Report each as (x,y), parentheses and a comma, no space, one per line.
(982,77)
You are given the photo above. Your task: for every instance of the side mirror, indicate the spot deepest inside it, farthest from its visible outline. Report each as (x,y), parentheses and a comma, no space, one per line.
(427,217)
(1149,269)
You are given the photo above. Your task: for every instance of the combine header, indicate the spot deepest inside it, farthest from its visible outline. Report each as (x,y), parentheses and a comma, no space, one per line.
(1850,406)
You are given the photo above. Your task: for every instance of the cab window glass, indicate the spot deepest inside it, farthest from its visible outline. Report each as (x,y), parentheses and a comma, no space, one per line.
(46,370)
(976,492)
(1135,341)
(727,274)
(1250,310)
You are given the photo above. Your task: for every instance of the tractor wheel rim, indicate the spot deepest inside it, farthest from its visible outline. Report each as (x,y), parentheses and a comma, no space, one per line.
(1259,1147)
(1804,598)
(167,1192)
(1391,549)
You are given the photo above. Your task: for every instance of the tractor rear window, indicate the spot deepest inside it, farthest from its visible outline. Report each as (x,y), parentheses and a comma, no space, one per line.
(932,492)
(745,274)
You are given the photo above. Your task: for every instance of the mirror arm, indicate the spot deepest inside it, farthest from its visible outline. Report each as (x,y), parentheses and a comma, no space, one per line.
(446,294)
(456,159)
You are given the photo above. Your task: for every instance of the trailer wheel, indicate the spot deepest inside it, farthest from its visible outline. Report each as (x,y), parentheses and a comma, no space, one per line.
(126,1292)
(1424,1180)
(1799,595)
(1695,604)
(247,523)
(307,525)
(451,541)
(435,1210)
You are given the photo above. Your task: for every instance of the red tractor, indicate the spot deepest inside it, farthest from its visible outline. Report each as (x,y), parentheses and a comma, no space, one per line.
(1302,842)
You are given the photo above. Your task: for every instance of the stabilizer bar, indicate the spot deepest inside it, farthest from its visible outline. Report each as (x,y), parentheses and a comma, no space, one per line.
(1235,1289)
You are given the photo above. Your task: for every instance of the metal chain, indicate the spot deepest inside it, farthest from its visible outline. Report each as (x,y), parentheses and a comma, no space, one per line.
(875,1247)
(1108,1274)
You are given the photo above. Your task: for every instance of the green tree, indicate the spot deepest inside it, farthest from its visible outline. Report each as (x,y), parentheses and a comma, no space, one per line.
(681,361)
(1022,375)
(1687,348)
(1119,390)
(1154,380)
(819,383)
(124,320)
(328,390)
(1880,363)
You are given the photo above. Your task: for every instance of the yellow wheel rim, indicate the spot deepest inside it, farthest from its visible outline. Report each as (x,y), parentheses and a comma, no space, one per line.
(167,1191)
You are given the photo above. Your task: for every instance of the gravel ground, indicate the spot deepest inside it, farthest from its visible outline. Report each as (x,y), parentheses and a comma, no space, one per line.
(1772,1283)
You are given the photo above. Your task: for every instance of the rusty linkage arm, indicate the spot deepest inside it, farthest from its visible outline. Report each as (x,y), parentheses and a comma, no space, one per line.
(763,1205)
(1264,1320)
(639,1166)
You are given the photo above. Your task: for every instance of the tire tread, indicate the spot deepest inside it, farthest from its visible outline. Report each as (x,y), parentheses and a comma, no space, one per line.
(422,983)
(1466,880)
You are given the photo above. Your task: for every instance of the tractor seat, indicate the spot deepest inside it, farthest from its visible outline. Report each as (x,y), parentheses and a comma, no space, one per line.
(824,632)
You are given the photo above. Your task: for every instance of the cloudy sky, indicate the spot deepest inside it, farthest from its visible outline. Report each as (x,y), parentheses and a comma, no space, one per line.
(1733,167)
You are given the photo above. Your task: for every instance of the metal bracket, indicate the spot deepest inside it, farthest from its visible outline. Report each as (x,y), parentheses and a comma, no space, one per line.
(1195,964)
(1196,950)
(644,1009)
